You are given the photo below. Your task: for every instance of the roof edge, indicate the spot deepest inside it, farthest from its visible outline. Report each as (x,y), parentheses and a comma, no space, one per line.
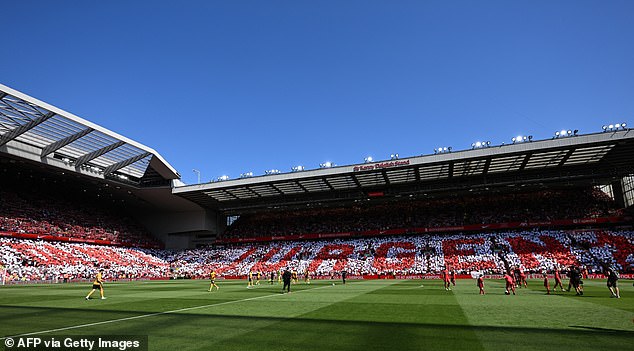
(173,174)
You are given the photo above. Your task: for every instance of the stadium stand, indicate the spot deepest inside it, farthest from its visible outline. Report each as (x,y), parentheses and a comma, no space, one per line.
(36,260)
(42,205)
(562,204)
(67,184)
(491,253)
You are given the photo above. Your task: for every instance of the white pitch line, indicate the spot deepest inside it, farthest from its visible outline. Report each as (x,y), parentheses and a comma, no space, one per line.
(150,315)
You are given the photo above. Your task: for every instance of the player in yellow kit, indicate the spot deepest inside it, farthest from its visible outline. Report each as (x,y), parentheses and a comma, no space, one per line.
(97,284)
(250,280)
(294,276)
(212,277)
(307,277)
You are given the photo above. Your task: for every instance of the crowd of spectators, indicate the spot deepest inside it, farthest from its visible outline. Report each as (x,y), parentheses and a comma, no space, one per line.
(40,208)
(36,260)
(449,212)
(489,253)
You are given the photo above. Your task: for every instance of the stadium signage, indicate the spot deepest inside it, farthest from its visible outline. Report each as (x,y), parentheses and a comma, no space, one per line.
(380,165)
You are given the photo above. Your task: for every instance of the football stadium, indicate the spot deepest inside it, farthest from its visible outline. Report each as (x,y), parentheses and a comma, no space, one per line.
(526,245)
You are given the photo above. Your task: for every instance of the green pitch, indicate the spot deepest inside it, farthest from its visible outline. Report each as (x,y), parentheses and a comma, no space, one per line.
(362,315)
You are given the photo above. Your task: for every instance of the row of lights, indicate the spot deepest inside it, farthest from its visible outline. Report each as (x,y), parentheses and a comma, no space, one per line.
(522,139)
(480,144)
(614,127)
(566,133)
(440,150)
(298,168)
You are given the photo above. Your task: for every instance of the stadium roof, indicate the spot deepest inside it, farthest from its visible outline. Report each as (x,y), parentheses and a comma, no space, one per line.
(77,142)
(589,158)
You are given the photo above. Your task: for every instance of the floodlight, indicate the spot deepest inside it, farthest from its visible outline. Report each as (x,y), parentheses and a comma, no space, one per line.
(222,178)
(441,150)
(197,173)
(394,157)
(367,159)
(565,133)
(327,164)
(297,169)
(246,175)
(614,127)
(480,144)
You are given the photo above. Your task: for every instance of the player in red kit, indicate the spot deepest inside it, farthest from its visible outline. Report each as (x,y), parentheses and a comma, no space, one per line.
(546,284)
(522,277)
(481,284)
(510,284)
(445,278)
(558,280)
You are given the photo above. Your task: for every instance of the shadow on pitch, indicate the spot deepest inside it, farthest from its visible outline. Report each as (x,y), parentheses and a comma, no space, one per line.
(76,317)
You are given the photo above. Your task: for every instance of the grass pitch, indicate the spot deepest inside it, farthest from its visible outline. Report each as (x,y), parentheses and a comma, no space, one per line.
(362,315)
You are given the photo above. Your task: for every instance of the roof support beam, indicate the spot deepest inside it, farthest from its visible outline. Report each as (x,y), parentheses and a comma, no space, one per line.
(253,192)
(525,162)
(2,95)
(328,184)
(301,186)
(16,132)
(280,192)
(224,191)
(356,182)
(52,147)
(117,166)
(82,160)
(566,157)
(387,180)
(450,171)
(487,165)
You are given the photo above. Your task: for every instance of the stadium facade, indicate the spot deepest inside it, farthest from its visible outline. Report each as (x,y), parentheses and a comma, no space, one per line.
(36,135)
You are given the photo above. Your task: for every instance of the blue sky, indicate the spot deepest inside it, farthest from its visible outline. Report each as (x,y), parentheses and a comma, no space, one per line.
(235,86)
